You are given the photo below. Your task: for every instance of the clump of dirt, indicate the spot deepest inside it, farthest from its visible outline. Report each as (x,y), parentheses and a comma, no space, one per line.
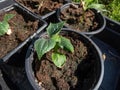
(79,19)
(42,7)
(22,27)
(78,73)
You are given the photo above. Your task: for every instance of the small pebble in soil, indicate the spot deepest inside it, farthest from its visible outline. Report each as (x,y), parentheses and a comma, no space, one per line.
(9,32)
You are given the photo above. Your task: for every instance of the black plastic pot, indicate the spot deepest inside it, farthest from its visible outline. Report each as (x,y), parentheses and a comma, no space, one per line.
(99,62)
(111,34)
(6,4)
(42,16)
(113,25)
(99,17)
(26,13)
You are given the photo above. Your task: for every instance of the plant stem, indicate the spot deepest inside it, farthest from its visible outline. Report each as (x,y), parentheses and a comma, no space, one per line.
(40,4)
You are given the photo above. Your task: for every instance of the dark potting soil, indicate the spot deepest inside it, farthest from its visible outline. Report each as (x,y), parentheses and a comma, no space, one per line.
(79,19)
(78,73)
(41,7)
(22,27)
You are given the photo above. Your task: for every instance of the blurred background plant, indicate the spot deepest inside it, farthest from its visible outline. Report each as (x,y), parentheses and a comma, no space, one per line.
(91,4)
(110,8)
(113,6)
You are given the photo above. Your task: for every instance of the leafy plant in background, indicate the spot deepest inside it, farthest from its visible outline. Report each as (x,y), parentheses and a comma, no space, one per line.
(4,25)
(114,10)
(54,41)
(91,4)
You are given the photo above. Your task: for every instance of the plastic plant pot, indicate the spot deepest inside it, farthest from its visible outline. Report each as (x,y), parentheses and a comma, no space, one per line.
(26,17)
(70,22)
(93,84)
(43,8)
(114,25)
(6,3)
(111,34)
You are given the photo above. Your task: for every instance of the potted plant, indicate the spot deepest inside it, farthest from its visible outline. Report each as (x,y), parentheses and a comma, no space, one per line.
(17,27)
(83,17)
(43,8)
(64,60)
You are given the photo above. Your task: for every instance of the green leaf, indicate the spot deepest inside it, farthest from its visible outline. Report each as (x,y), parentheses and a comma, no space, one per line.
(66,44)
(58,59)
(7,17)
(42,46)
(93,4)
(99,7)
(4,26)
(56,38)
(53,29)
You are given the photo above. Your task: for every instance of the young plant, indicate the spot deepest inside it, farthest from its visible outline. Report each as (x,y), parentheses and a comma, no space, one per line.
(55,41)
(91,4)
(4,25)
(40,3)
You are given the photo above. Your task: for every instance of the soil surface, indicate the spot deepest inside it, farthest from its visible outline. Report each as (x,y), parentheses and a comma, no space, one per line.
(42,7)
(79,19)
(22,27)
(78,73)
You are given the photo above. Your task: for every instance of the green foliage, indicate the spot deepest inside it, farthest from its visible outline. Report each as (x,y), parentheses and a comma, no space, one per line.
(53,29)
(114,10)
(91,4)
(66,44)
(99,7)
(4,25)
(58,59)
(54,41)
(42,46)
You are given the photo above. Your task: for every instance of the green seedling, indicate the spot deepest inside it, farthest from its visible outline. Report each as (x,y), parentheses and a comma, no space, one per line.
(4,25)
(54,42)
(91,4)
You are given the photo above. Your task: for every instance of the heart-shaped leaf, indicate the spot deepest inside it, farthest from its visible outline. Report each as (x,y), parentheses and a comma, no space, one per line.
(56,38)
(53,29)
(58,59)
(66,44)
(42,46)
(4,26)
